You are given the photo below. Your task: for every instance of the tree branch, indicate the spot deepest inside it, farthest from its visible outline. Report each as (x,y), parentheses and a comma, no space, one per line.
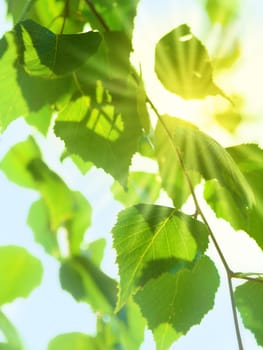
(97,15)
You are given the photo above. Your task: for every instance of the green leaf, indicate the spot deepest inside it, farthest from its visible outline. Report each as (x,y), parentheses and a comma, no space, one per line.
(20,273)
(249,158)
(222,11)
(79,222)
(39,221)
(18,9)
(165,336)
(150,240)
(41,119)
(15,162)
(21,93)
(105,135)
(173,179)
(200,152)
(117,15)
(183,66)
(249,298)
(142,188)
(85,281)
(76,341)
(45,54)
(95,251)
(181,299)
(12,103)
(10,333)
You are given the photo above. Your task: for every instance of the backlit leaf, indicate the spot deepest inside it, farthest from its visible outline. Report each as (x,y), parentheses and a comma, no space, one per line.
(249,298)
(249,158)
(141,188)
(150,240)
(183,66)
(222,11)
(173,179)
(201,153)
(181,299)
(20,273)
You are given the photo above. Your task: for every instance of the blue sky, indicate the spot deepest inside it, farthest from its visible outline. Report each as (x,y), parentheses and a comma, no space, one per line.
(48,311)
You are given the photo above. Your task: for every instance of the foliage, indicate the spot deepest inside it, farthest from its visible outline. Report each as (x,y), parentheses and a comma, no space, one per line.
(80,85)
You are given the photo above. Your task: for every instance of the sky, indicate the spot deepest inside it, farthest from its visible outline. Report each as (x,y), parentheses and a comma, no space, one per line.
(49,311)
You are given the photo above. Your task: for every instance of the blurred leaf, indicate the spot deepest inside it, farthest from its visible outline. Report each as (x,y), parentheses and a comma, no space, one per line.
(229,119)
(83,166)
(45,54)
(76,341)
(202,153)
(181,299)
(142,188)
(20,273)
(249,298)
(227,58)
(23,165)
(95,251)
(85,281)
(15,162)
(145,234)
(222,11)
(183,66)
(249,158)
(10,333)
(79,222)
(173,179)
(39,221)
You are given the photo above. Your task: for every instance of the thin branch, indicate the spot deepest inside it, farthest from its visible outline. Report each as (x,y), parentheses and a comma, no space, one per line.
(234,312)
(200,212)
(65,15)
(97,15)
(248,278)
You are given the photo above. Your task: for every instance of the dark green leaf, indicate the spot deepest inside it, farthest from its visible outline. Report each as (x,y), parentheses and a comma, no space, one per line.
(249,298)
(183,66)
(142,188)
(20,273)
(150,240)
(85,281)
(181,299)
(201,153)
(73,341)
(45,54)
